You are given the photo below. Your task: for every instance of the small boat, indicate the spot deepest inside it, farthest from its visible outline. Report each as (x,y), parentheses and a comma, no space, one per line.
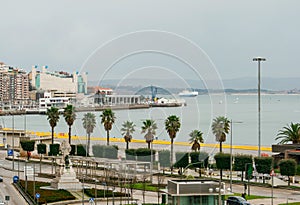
(187,93)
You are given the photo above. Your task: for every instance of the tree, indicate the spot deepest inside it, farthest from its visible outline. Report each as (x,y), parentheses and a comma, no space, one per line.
(70,116)
(263,165)
(53,118)
(289,133)
(107,119)
(288,168)
(172,126)
(150,127)
(28,146)
(220,127)
(127,129)
(42,149)
(89,123)
(196,138)
(240,160)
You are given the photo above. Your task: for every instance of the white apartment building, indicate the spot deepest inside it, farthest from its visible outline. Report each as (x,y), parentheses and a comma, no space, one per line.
(59,81)
(48,101)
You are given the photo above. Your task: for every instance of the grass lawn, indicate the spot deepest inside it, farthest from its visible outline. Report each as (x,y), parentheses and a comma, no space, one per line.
(247,197)
(46,195)
(294,203)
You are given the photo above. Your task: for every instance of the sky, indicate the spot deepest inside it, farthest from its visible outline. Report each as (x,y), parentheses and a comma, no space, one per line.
(67,35)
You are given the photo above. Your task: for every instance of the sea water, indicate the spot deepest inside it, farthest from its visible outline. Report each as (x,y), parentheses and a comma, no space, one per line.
(277,111)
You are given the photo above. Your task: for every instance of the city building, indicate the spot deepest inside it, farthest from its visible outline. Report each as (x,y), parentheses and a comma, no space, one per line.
(14,87)
(194,192)
(59,81)
(48,101)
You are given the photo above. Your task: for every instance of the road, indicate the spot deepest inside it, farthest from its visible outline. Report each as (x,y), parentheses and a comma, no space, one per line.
(7,189)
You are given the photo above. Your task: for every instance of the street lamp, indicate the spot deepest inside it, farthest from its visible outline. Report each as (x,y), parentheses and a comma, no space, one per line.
(259,59)
(231,137)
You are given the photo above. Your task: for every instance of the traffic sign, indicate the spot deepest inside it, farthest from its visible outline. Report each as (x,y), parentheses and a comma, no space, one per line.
(91,201)
(10,152)
(37,195)
(15,179)
(272,173)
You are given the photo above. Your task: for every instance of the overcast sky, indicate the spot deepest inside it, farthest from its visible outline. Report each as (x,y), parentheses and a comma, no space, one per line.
(63,34)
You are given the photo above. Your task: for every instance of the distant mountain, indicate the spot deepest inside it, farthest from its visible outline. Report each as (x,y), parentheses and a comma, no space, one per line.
(276,84)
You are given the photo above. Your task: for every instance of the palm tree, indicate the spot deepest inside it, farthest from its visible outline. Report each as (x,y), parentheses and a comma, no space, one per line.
(289,133)
(53,118)
(150,127)
(220,127)
(107,119)
(89,123)
(196,138)
(172,126)
(70,116)
(127,130)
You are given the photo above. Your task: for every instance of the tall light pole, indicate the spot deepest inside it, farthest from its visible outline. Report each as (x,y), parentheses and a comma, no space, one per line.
(231,137)
(259,59)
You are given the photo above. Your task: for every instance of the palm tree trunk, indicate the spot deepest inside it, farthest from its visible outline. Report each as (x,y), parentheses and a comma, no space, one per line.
(171,157)
(107,137)
(52,135)
(88,146)
(70,135)
(127,145)
(221,171)
(149,143)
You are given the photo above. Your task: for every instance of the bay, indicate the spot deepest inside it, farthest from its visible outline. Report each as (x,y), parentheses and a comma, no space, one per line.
(276,111)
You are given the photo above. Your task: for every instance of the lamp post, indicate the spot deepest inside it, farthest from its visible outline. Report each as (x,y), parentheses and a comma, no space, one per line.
(13,141)
(231,137)
(259,59)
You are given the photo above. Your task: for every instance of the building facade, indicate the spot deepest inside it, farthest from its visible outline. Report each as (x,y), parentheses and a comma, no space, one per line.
(195,192)
(14,86)
(59,81)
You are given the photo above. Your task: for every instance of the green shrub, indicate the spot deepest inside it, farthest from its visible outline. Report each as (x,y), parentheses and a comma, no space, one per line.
(164,158)
(100,193)
(27,145)
(222,160)
(104,151)
(130,154)
(47,196)
(263,164)
(182,159)
(42,148)
(73,149)
(144,154)
(81,150)
(197,157)
(54,149)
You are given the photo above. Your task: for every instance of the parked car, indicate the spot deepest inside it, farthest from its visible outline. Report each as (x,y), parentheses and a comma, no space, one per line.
(237,200)
(1,179)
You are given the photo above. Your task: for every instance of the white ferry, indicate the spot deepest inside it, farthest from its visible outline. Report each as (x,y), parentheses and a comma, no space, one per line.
(187,93)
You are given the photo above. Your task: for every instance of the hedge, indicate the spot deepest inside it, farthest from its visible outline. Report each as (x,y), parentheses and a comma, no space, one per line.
(42,148)
(263,164)
(144,154)
(54,149)
(104,151)
(27,145)
(164,158)
(182,159)
(130,154)
(222,160)
(197,157)
(81,150)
